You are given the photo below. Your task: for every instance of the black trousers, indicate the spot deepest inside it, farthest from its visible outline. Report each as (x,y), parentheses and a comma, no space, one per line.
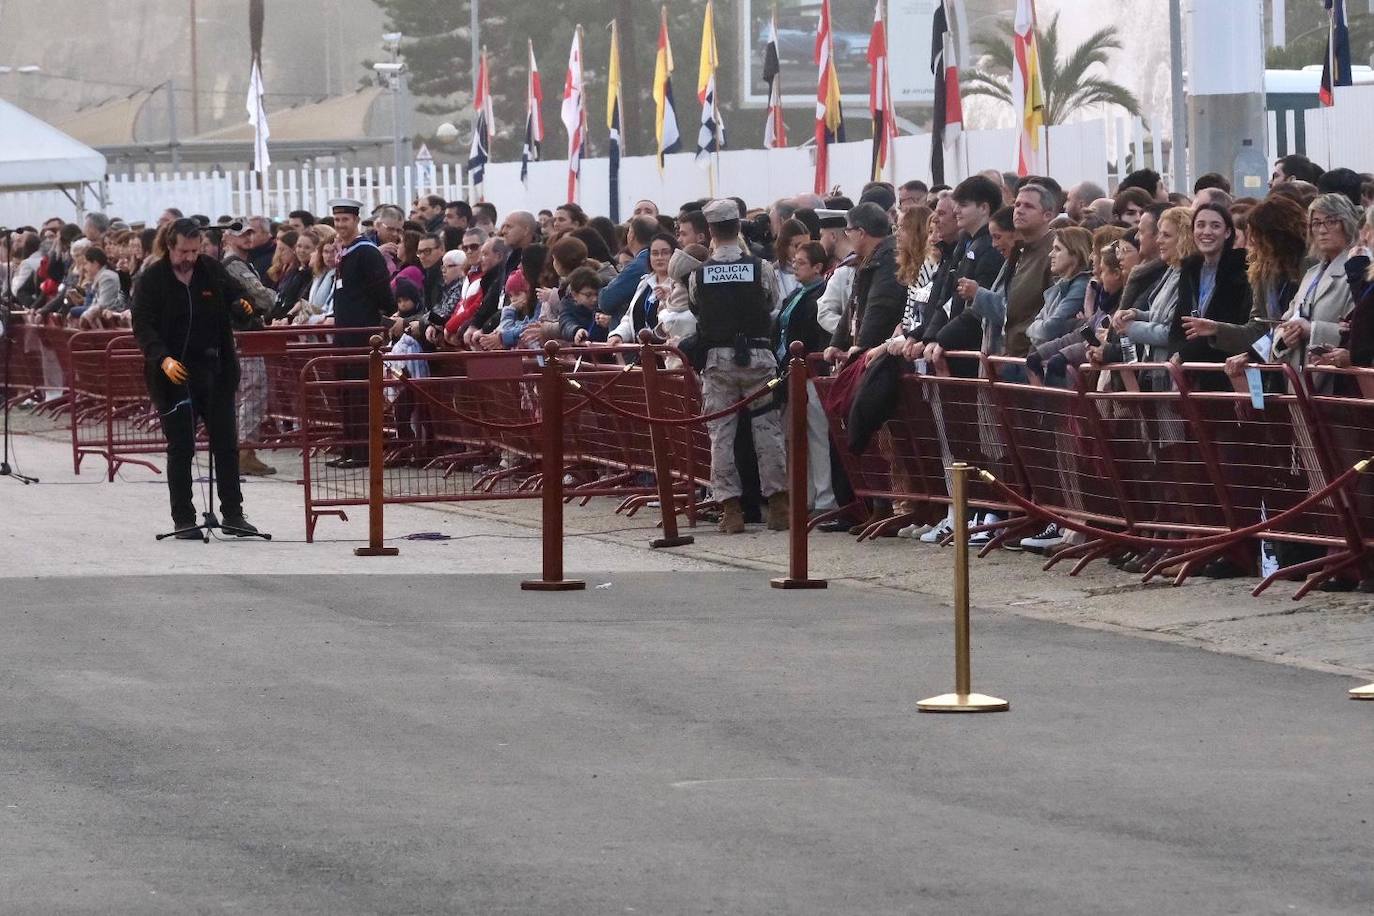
(214,404)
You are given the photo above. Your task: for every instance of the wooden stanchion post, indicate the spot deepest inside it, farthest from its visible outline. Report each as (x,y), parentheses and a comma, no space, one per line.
(963,699)
(662,447)
(551,400)
(798,475)
(376,472)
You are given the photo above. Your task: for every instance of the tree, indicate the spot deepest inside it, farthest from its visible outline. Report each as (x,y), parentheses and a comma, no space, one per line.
(1068,83)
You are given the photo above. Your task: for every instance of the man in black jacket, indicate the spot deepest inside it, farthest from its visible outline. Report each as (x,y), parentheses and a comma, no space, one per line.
(878,298)
(975,200)
(182,320)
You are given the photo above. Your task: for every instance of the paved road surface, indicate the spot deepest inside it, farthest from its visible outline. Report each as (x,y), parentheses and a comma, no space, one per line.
(681,742)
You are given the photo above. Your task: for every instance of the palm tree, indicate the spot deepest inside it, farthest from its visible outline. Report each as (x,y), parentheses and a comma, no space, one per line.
(1067,83)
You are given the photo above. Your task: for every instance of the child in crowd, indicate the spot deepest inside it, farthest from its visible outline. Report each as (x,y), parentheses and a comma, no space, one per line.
(578,320)
(519,315)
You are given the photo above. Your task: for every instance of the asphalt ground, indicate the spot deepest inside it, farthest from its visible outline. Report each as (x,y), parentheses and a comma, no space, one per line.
(678,742)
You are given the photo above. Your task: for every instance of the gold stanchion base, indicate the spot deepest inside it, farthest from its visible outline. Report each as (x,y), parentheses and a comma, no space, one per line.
(558,585)
(963,702)
(379,552)
(789,582)
(1363,693)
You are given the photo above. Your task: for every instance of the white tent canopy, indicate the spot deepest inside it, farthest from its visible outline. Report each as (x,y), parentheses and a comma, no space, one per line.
(36,155)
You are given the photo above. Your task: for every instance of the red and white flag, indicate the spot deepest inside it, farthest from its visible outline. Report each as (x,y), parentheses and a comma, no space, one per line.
(880,97)
(829,114)
(574,113)
(534,119)
(774,130)
(1027,91)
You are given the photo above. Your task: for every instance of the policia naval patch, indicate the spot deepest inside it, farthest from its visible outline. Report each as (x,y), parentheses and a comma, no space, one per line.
(739,272)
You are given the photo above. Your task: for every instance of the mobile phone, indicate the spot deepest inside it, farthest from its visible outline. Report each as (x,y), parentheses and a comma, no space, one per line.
(1089,336)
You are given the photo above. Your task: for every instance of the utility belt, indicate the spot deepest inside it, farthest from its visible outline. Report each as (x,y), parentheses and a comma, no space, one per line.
(742,346)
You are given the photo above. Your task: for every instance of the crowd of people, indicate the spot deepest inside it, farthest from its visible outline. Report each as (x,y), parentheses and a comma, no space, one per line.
(1007,265)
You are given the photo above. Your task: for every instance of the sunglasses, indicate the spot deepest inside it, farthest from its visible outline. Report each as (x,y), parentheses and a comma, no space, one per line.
(472,247)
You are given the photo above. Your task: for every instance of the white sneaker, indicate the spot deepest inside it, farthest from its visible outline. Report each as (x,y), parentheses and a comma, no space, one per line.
(1043,541)
(913,531)
(938,533)
(982,538)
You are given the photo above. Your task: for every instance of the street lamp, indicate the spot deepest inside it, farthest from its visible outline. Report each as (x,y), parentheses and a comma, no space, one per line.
(394,72)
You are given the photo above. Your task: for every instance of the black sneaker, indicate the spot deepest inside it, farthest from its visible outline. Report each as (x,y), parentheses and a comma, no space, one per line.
(238,526)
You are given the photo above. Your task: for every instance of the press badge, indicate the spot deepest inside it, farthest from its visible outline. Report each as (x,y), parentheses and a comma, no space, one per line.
(338,283)
(742,272)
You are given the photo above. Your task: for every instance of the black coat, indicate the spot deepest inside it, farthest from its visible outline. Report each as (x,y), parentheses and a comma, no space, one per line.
(189,323)
(879,297)
(974,259)
(1230,303)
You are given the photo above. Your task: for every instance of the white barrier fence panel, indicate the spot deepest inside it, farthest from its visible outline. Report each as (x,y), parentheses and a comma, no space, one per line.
(1343,135)
(1075,152)
(142,198)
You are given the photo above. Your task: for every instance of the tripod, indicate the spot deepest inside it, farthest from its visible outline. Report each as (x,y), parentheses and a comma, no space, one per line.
(7,319)
(209,521)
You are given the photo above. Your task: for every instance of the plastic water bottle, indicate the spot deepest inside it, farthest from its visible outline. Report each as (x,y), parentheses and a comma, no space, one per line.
(1128,353)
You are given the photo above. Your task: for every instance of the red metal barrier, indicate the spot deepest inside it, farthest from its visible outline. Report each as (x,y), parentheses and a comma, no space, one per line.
(1151,456)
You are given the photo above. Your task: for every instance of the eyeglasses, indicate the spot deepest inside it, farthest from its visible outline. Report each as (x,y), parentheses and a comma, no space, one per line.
(1319,223)
(428,249)
(472,247)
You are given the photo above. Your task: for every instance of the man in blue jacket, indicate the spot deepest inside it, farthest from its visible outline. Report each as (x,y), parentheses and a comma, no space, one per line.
(616,296)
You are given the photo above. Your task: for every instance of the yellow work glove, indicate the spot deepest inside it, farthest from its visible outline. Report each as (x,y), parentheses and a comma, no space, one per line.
(174,370)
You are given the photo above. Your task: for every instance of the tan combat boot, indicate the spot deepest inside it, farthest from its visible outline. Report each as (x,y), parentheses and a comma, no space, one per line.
(778,513)
(250,464)
(731,517)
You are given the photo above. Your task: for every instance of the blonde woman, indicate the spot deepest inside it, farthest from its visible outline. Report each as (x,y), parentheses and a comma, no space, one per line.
(1153,326)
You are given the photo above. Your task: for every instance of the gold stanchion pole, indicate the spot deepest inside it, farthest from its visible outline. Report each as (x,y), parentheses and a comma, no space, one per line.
(963,699)
(1363,693)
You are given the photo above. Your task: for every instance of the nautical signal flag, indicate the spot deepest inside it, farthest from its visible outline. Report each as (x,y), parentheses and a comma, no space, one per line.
(829,114)
(1027,91)
(482,126)
(534,119)
(665,115)
(711,137)
(774,130)
(880,96)
(574,113)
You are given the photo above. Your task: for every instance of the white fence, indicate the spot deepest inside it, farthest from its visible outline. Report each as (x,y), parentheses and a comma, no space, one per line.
(1343,135)
(144,197)
(1077,152)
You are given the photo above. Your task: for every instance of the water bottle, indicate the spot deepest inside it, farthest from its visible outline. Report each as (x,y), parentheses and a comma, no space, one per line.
(1128,353)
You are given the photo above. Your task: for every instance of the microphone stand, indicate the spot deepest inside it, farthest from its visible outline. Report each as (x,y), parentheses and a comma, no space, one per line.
(7,305)
(208,520)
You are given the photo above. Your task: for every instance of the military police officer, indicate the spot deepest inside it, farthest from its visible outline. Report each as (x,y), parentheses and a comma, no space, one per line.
(734,296)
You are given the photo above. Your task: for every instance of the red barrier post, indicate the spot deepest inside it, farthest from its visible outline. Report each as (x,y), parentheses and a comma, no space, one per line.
(798,477)
(662,448)
(551,397)
(376,472)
